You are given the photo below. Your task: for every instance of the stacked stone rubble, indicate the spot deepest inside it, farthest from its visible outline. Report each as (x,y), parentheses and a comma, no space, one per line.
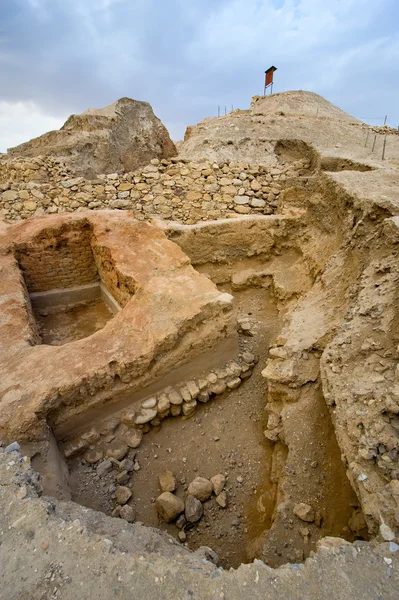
(179,400)
(175,189)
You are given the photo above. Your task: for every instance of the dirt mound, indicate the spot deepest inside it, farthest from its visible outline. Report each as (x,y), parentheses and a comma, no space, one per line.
(120,137)
(252,135)
(298,103)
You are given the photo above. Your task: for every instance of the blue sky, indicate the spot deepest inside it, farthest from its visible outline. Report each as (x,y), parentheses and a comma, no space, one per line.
(186,57)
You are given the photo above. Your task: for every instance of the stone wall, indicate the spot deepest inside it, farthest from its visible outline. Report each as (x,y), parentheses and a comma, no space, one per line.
(39,170)
(179,190)
(58,259)
(121,286)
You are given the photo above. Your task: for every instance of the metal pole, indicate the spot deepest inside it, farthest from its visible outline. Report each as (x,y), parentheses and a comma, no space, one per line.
(385,120)
(225,111)
(271,88)
(384,146)
(367,139)
(218,111)
(375,137)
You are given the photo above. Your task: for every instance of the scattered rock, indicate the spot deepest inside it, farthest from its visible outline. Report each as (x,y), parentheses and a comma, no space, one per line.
(248,358)
(14,447)
(193,509)
(304,512)
(169,506)
(208,554)
(123,494)
(167,481)
(117,449)
(128,513)
(357,522)
(221,499)
(200,488)
(182,536)
(104,468)
(218,483)
(386,533)
(181,521)
(126,465)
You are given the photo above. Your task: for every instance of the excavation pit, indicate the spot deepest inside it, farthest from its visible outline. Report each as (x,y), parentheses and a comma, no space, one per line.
(226,436)
(111,400)
(71,314)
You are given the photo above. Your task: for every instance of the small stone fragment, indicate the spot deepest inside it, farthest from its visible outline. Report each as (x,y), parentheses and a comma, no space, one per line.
(128,513)
(167,481)
(193,509)
(14,447)
(182,536)
(304,512)
(123,494)
(357,522)
(208,554)
(181,521)
(386,533)
(248,358)
(218,483)
(169,507)
(126,465)
(200,488)
(175,410)
(221,499)
(104,467)
(122,478)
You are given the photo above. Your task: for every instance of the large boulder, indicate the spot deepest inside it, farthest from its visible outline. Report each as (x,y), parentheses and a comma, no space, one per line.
(120,137)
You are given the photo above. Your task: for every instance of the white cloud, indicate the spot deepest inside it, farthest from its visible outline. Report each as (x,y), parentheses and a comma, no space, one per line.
(22,121)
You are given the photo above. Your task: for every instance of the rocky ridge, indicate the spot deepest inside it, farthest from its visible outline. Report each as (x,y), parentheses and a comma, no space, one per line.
(121,136)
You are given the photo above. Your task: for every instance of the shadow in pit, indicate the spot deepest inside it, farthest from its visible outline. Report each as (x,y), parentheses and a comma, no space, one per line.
(308,469)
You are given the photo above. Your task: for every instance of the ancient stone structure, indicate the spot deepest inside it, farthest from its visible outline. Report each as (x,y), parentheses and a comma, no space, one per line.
(181,190)
(147,276)
(249,293)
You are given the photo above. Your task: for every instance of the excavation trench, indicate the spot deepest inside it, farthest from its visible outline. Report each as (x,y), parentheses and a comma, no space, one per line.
(226,435)
(268,431)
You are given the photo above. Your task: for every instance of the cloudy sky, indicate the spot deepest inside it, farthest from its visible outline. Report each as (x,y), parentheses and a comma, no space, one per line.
(186,57)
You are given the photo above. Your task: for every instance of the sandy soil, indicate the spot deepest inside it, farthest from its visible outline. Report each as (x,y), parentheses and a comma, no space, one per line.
(68,324)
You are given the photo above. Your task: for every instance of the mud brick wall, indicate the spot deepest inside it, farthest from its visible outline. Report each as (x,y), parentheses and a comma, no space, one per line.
(121,287)
(58,259)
